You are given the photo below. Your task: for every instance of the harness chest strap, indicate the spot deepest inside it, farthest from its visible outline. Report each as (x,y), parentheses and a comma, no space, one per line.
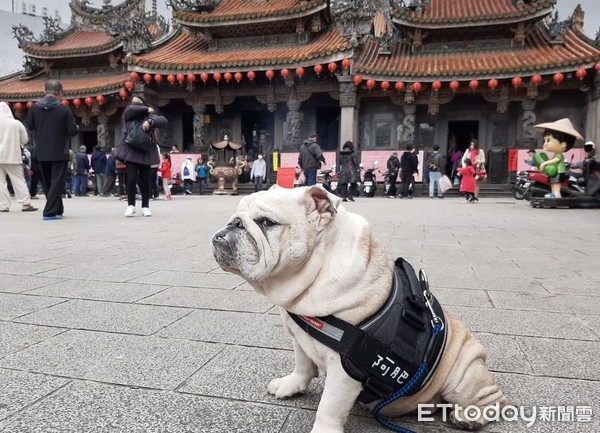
(385,351)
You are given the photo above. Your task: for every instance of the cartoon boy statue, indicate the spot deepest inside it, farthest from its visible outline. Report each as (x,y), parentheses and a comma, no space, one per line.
(559,137)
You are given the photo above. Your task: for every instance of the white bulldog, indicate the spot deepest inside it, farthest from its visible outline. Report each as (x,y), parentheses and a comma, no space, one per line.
(310,257)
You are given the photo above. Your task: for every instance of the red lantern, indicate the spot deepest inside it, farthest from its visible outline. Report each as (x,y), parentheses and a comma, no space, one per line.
(181,78)
(436,85)
(416,87)
(134,76)
(171,79)
(228,77)
(454,85)
(473,84)
(251,75)
(158,78)
(357,80)
(346,63)
(29,104)
(300,72)
(318,69)
(100,99)
(370,84)
(516,82)
(77,102)
(332,67)
(147,78)
(122,93)
(493,84)
(191,78)
(385,86)
(238,77)
(399,86)
(19,106)
(558,77)
(89,101)
(217,77)
(536,80)
(204,77)
(270,74)
(285,72)
(129,85)
(65,102)
(581,73)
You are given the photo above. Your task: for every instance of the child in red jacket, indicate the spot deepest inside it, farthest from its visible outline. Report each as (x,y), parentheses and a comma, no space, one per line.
(467,183)
(165,174)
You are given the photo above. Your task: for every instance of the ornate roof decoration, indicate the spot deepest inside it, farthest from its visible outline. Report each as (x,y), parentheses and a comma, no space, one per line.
(354,17)
(453,13)
(385,32)
(192,5)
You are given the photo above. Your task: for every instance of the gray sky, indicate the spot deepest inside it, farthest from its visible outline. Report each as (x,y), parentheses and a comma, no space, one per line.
(565,9)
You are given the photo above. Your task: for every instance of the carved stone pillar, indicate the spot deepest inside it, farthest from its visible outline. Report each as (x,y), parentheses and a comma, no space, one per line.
(294,125)
(528,119)
(408,132)
(592,124)
(348,110)
(102,132)
(199,127)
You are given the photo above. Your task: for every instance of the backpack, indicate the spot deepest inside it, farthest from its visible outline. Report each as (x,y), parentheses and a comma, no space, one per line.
(138,138)
(186,171)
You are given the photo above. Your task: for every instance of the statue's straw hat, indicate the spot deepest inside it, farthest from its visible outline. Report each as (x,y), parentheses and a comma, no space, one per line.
(561,125)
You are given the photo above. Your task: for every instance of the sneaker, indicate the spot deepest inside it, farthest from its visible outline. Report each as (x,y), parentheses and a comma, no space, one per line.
(130,211)
(344,199)
(4,210)
(351,198)
(390,196)
(550,195)
(146,212)
(52,217)
(430,196)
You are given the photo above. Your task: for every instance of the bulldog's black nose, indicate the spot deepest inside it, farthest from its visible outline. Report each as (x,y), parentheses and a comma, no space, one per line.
(220,236)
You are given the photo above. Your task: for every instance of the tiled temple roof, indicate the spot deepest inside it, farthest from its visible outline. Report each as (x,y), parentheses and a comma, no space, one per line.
(537,56)
(187,53)
(75,44)
(452,13)
(14,88)
(234,11)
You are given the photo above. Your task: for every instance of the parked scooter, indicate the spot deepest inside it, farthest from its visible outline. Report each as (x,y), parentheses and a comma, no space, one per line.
(329,180)
(369,184)
(522,185)
(386,183)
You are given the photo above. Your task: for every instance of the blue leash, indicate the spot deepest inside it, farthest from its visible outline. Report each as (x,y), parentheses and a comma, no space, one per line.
(401,393)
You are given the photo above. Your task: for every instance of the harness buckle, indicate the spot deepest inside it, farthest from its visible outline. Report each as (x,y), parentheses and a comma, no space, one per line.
(436,321)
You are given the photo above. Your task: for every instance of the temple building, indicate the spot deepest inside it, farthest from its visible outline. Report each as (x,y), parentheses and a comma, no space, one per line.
(266,73)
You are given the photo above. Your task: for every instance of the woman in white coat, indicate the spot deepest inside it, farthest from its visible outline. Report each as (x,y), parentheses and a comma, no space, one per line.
(477,157)
(187,175)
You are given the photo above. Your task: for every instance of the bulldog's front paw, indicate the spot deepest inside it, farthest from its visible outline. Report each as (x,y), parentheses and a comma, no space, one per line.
(458,420)
(288,386)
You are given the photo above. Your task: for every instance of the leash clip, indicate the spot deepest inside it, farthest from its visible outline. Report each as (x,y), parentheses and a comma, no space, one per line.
(436,321)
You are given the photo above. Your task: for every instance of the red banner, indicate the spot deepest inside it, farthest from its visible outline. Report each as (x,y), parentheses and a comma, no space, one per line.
(513,159)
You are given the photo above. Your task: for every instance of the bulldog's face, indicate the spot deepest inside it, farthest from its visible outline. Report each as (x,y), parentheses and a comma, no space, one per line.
(273,231)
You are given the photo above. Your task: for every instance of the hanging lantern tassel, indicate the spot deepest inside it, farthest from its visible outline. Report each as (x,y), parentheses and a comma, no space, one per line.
(581,73)
(370,84)
(357,80)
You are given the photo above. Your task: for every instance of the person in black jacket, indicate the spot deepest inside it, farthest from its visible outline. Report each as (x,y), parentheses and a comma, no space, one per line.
(81,173)
(52,124)
(139,161)
(98,164)
(409,165)
(393,165)
(310,159)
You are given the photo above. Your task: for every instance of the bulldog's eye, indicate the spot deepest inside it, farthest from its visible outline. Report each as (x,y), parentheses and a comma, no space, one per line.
(265,222)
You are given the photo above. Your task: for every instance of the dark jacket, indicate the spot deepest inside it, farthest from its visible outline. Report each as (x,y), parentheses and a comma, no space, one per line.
(83,163)
(409,163)
(111,166)
(310,157)
(436,162)
(52,124)
(98,161)
(139,112)
(393,165)
(348,167)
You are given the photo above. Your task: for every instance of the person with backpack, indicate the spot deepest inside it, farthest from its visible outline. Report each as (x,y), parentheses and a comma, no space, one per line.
(187,175)
(393,165)
(435,165)
(310,159)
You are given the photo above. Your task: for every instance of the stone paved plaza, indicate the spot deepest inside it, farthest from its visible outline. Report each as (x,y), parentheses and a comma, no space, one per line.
(110,324)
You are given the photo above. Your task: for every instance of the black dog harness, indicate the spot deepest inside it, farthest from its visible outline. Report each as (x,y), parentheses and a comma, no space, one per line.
(385,351)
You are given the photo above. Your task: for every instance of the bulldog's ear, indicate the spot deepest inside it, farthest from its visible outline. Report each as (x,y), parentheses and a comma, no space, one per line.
(321,206)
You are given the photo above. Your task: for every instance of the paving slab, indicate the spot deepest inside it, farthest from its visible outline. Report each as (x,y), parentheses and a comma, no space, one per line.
(98,290)
(18,336)
(547,302)
(91,272)
(123,359)
(20,283)
(13,305)
(97,408)
(191,279)
(461,297)
(229,327)
(214,299)
(106,316)
(21,389)
(11,267)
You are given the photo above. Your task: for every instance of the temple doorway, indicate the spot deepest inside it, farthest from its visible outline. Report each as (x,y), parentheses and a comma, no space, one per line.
(328,130)
(257,132)
(460,133)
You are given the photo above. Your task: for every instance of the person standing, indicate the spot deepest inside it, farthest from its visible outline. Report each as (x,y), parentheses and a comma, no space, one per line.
(82,170)
(393,165)
(467,182)
(409,165)
(187,175)
(258,172)
(348,172)
(138,161)
(98,164)
(435,165)
(201,174)
(165,174)
(13,136)
(110,172)
(52,125)
(477,157)
(310,159)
